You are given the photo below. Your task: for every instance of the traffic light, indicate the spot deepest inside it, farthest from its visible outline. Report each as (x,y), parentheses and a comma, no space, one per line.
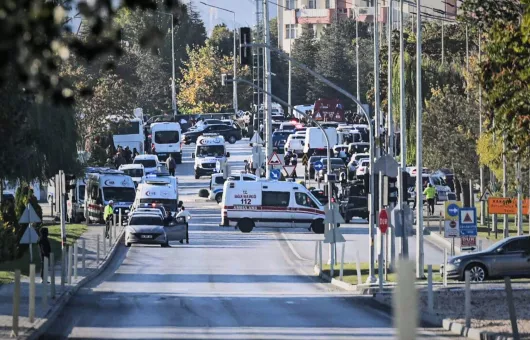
(392,190)
(405,177)
(69,182)
(245,53)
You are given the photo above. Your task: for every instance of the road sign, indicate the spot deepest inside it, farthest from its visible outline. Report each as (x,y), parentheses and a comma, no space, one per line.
(29,216)
(383,221)
(305,159)
(30,236)
(499,205)
(387,165)
(275,159)
(333,215)
(289,169)
(486,194)
(468,216)
(452,209)
(333,235)
(275,174)
(318,165)
(452,229)
(256,139)
(468,241)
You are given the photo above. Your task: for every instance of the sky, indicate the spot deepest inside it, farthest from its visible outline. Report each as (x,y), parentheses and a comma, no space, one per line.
(245,12)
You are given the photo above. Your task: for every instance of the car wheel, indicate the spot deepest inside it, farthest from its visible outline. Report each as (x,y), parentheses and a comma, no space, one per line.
(219,197)
(477,272)
(318,227)
(232,139)
(127,244)
(245,225)
(197,176)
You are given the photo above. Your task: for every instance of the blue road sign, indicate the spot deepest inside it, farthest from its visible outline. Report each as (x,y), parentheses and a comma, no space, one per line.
(452,210)
(318,165)
(468,221)
(275,174)
(468,230)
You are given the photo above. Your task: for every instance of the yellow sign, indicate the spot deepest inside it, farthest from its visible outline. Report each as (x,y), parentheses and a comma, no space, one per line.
(500,205)
(451,210)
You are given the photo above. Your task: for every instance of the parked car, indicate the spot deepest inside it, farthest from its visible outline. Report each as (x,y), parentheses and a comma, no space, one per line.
(230,133)
(354,206)
(508,257)
(337,166)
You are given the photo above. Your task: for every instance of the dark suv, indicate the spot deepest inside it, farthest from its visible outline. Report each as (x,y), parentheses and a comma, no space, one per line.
(230,133)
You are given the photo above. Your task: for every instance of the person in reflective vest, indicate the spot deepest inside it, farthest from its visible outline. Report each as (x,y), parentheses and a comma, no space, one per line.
(107,216)
(430,194)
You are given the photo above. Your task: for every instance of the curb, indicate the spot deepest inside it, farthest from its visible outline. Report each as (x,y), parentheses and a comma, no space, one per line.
(472,333)
(338,283)
(441,241)
(430,319)
(42,325)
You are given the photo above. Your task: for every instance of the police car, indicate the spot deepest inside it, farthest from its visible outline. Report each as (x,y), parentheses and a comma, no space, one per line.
(249,204)
(209,151)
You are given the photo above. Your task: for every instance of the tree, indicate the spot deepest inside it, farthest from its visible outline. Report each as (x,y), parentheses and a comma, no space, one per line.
(304,50)
(200,87)
(222,39)
(450,134)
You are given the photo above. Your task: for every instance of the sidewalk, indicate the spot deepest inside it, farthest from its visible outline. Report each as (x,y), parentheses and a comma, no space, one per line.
(42,312)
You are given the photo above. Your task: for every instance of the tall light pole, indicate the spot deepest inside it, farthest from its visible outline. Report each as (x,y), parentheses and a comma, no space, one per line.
(376,77)
(357,59)
(419,150)
(402,123)
(267,78)
(173,91)
(390,123)
(234,84)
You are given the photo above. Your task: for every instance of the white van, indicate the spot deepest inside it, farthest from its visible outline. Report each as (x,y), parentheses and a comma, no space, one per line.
(163,177)
(153,191)
(136,171)
(209,149)
(295,144)
(150,162)
(270,204)
(166,138)
(217,184)
(109,185)
(315,142)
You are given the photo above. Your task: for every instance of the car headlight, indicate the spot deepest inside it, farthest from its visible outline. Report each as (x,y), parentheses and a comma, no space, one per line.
(127,211)
(455,261)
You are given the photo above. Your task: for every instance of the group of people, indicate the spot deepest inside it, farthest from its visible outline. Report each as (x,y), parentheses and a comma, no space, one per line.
(121,156)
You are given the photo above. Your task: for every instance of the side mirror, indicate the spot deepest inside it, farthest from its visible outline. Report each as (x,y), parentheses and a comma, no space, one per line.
(228,154)
(180,204)
(500,250)
(193,155)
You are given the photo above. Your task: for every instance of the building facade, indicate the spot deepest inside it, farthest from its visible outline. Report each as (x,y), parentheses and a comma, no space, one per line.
(319,14)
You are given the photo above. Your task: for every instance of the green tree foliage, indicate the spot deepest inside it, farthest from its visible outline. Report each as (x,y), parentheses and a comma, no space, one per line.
(223,39)
(200,87)
(304,50)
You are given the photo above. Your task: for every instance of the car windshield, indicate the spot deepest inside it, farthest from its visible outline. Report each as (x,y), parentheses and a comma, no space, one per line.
(166,137)
(358,157)
(213,121)
(119,194)
(147,163)
(168,204)
(438,181)
(280,135)
(133,172)
(146,220)
(210,150)
(287,126)
(337,161)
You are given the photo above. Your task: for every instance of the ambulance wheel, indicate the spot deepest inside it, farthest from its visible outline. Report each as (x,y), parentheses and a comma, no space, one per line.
(245,225)
(318,227)
(232,139)
(219,197)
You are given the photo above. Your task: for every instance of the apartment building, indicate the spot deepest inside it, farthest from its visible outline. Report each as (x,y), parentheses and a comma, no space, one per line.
(292,14)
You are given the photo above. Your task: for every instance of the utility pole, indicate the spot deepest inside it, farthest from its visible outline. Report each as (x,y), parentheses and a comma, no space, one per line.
(519,200)
(173,91)
(268,103)
(482,182)
(358,85)
(390,122)
(289,85)
(234,93)
(419,150)
(376,80)
(506,230)
(402,124)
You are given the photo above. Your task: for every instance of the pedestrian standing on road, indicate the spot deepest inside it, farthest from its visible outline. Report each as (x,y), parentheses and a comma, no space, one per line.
(294,161)
(135,153)
(108,214)
(430,194)
(127,153)
(287,158)
(45,249)
(171,165)
(183,213)
(247,166)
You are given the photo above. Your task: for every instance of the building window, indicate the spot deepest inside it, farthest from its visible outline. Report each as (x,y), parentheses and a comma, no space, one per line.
(312,4)
(290,31)
(290,4)
(313,29)
(342,10)
(327,3)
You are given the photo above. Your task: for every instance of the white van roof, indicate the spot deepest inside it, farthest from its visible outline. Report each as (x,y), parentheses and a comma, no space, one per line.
(131,166)
(165,126)
(208,139)
(156,191)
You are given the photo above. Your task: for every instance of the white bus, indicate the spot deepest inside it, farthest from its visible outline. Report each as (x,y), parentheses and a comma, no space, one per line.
(127,132)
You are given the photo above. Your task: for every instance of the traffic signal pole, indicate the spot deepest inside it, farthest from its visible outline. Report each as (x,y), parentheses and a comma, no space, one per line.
(267,121)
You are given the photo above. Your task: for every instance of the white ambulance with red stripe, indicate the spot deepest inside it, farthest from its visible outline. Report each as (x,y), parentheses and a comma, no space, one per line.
(248,204)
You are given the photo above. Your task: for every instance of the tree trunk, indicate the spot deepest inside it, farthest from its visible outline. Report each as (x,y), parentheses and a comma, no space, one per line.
(466,198)
(458,189)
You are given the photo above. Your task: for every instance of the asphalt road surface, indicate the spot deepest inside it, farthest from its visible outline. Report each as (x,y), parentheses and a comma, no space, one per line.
(223,285)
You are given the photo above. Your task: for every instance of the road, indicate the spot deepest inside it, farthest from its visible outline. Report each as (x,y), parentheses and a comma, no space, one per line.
(223,285)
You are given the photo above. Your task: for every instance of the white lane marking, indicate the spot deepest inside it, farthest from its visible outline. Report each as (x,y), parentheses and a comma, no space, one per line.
(292,247)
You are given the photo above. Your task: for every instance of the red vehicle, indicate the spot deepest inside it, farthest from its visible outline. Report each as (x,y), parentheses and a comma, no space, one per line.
(328,110)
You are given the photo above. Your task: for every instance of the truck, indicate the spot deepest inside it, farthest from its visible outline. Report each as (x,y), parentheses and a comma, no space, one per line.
(328,110)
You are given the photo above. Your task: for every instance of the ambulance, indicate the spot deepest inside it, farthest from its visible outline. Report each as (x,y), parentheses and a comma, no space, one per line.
(217,184)
(249,204)
(166,140)
(209,150)
(156,191)
(105,186)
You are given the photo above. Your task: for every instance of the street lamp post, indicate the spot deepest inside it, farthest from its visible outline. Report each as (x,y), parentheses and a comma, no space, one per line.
(234,93)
